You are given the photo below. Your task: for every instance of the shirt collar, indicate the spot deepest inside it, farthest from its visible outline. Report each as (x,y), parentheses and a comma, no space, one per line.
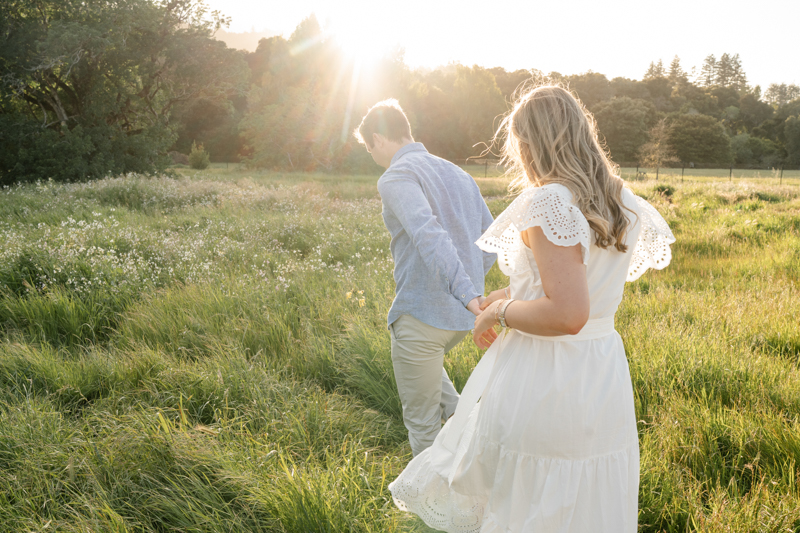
(412,147)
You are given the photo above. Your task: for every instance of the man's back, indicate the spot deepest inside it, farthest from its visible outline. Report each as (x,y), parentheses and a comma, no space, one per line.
(435,213)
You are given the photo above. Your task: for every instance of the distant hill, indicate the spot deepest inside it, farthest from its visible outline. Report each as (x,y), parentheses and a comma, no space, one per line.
(244,41)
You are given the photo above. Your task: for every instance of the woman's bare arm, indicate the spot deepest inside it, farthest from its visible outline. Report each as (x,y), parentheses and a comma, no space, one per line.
(563,310)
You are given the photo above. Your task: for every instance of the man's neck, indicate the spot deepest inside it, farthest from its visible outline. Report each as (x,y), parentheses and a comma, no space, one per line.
(396,147)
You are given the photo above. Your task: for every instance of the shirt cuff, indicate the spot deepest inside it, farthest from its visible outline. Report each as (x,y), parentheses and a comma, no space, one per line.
(466,293)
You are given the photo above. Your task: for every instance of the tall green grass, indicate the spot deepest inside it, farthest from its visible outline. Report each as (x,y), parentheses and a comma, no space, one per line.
(210,353)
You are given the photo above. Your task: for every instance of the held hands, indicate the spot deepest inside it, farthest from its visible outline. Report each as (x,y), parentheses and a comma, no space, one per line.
(474,305)
(494,296)
(484,334)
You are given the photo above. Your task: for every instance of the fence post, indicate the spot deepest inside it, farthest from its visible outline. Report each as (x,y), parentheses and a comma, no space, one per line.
(682,169)
(637,170)
(656,173)
(485,167)
(781,180)
(730,176)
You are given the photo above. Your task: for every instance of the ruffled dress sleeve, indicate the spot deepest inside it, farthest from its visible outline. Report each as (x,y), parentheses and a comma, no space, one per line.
(652,247)
(550,207)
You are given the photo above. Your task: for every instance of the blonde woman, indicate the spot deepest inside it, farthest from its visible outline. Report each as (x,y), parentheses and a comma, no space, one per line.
(552,445)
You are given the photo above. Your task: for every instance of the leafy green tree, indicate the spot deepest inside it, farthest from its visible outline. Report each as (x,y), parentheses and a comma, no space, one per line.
(199,159)
(508,82)
(88,87)
(753,111)
(480,104)
(591,87)
(624,123)
(631,88)
(781,94)
(792,135)
(660,90)
(307,99)
(693,99)
(700,139)
(751,151)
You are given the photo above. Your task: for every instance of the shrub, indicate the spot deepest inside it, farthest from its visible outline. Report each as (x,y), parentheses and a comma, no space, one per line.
(664,189)
(199,159)
(29,152)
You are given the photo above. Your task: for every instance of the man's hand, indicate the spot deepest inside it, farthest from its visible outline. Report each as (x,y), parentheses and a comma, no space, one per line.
(474,305)
(499,294)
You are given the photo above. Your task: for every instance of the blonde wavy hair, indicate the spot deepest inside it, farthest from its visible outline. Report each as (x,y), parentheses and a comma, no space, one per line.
(550,137)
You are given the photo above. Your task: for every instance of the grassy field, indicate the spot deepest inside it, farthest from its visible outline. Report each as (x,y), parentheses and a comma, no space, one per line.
(209,353)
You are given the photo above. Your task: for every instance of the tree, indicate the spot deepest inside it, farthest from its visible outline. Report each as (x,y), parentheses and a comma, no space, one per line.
(655,70)
(708,72)
(676,74)
(508,82)
(748,150)
(88,87)
(624,123)
(791,133)
(780,95)
(753,111)
(591,87)
(699,139)
(658,151)
(738,77)
(630,88)
(480,103)
(725,71)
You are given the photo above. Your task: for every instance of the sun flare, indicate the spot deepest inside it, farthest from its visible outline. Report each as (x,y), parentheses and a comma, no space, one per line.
(362,39)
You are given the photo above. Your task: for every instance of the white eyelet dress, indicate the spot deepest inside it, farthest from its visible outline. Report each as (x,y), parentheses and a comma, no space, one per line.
(552,445)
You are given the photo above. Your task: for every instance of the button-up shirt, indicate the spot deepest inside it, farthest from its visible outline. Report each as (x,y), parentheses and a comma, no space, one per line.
(434,212)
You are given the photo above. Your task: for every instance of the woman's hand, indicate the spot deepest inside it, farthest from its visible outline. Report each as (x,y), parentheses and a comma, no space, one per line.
(499,294)
(484,334)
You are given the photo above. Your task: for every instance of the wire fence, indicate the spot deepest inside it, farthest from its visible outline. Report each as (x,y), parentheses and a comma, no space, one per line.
(491,168)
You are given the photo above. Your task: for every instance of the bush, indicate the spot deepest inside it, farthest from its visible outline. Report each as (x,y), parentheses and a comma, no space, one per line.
(199,159)
(30,152)
(664,189)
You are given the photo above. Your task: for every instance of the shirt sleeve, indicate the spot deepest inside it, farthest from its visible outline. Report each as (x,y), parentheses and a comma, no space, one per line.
(488,257)
(403,195)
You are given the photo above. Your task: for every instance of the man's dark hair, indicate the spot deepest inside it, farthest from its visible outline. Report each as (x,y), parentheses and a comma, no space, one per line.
(385,118)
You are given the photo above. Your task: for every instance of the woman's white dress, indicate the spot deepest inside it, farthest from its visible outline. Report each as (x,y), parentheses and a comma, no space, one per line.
(552,445)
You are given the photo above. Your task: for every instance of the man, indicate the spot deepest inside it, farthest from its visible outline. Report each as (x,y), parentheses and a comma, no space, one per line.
(434,212)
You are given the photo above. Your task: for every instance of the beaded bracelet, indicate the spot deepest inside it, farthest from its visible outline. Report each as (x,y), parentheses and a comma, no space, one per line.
(502,316)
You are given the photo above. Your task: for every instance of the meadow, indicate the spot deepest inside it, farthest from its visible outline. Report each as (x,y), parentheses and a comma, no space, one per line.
(208,352)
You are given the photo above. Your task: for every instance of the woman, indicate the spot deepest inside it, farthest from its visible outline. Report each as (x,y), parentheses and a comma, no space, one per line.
(552,445)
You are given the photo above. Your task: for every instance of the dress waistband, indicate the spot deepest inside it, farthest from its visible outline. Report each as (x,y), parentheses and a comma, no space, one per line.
(594,329)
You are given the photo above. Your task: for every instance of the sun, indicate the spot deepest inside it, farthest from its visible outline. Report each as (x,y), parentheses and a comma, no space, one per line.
(362,39)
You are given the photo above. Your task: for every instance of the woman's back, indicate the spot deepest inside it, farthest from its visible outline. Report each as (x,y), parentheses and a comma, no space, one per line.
(607,269)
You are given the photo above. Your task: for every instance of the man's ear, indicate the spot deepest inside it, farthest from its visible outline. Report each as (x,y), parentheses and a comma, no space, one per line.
(378,140)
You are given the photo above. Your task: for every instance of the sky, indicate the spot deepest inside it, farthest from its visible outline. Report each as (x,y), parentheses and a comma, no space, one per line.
(613,37)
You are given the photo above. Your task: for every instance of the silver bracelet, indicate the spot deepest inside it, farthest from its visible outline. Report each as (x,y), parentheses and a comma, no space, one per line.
(502,315)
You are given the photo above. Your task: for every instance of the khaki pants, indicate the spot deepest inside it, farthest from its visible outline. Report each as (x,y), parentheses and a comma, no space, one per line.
(427,394)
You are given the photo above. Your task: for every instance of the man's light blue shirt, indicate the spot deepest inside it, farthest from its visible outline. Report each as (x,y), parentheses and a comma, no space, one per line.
(434,212)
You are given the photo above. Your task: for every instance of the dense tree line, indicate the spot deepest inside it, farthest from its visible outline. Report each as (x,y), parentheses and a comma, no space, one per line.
(96,87)
(90,88)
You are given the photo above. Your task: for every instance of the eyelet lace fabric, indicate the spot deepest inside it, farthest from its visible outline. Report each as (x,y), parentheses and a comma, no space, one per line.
(652,248)
(550,207)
